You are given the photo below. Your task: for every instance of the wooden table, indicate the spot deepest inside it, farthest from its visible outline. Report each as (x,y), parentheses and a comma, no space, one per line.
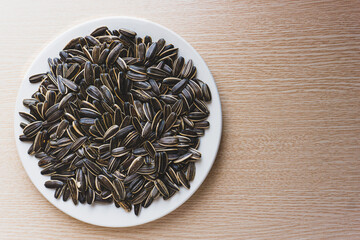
(288,75)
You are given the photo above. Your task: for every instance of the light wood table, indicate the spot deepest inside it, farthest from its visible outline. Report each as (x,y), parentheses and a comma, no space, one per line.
(288,73)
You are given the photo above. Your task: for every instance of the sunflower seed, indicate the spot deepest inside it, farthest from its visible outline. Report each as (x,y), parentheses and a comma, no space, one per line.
(140,197)
(119,152)
(92,167)
(206,92)
(105,182)
(27,116)
(111,132)
(119,187)
(53,184)
(135,165)
(114,54)
(151,52)
(37,78)
(161,187)
(94,92)
(182,179)
(74,192)
(117,118)
(99,31)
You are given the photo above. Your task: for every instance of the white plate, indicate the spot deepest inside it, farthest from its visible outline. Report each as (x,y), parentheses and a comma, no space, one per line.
(108,215)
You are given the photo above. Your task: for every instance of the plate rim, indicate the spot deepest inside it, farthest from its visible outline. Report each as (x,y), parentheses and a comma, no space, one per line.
(23,156)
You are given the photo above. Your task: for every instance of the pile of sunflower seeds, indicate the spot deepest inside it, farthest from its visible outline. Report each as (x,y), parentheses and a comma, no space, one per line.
(117,119)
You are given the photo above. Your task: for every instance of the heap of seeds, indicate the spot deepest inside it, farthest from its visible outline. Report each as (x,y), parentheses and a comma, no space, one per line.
(117,118)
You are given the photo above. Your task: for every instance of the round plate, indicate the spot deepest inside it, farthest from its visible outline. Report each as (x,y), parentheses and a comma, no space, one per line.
(108,215)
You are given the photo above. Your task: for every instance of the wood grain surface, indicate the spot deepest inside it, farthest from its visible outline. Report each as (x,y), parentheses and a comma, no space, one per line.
(288,73)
